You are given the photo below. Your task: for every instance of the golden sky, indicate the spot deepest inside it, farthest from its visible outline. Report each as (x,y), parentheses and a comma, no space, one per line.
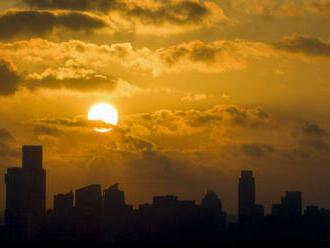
(203,89)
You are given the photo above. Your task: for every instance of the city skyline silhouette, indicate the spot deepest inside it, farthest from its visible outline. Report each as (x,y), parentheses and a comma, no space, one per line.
(88,215)
(195,122)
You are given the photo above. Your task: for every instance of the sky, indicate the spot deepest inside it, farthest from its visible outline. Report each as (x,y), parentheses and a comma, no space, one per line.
(203,89)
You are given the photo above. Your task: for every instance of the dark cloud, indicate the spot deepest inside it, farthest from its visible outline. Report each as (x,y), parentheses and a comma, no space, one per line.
(311,135)
(75,78)
(314,129)
(190,121)
(156,164)
(6,149)
(63,122)
(205,57)
(33,23)
(137,143)
(183,12)
(204,54)
(256,150)
(290,8)
(5,135)
(51,125)
(195,51)
(304,44)
(99,5)
(316,144)
(71,78)
(213,57)
(197,118)
(46,130)
(9,77)
(319,7)
(263,115)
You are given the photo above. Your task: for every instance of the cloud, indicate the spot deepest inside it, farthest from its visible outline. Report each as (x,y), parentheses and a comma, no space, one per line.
(311,135)
(99,5)
(37,23)
(63,122)
(256,150)
(317,144)
(136,132)
(299,8)
(152,16)
(6,149)
(205,57)
(314,129)
(216,57)
(71,77)
(306,45)
(319,7)
(9,77)
(177,12)
(81,79)
(194,98)
(5,135)
(193,122)
(56,126)
(46,130)
(77,64)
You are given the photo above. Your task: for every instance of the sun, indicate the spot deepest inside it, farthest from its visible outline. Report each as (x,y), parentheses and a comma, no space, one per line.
(104,113)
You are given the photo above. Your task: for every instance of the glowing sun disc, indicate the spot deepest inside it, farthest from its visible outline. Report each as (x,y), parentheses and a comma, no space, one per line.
(105,113)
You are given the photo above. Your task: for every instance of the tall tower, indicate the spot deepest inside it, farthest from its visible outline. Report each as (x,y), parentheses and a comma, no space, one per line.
(25,194)
(89,197)
(246,195)
(292,204)
(35,180)
(114,199)
(63,203)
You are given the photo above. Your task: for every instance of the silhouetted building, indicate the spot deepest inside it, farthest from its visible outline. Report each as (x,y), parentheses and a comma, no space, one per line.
(89,197)
(113,198)
(291,204)
(36,180)
(212,217)
(25,194)
(276,210)
(168,219)
(63,202)
(107,218)
(168,201)
(312,211)
(259,211)
(246,195)
(116,214)
(15,214)
(211,203)
(32,157)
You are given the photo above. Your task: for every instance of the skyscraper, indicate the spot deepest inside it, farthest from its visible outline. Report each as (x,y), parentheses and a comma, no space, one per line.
(292,204)
(114,199)
(246,195)
(63,202)
(32,157)
(26,194)
(89,197)
(211,203)
(35,181)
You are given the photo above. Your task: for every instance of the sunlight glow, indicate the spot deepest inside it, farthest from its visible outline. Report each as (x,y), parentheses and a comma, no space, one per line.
(105,113)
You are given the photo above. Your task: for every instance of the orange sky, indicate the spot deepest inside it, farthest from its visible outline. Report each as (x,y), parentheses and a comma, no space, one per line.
(204,89)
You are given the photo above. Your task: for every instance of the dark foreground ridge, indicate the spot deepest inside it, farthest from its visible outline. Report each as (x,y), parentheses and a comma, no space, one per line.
(90,217)
(230,244)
